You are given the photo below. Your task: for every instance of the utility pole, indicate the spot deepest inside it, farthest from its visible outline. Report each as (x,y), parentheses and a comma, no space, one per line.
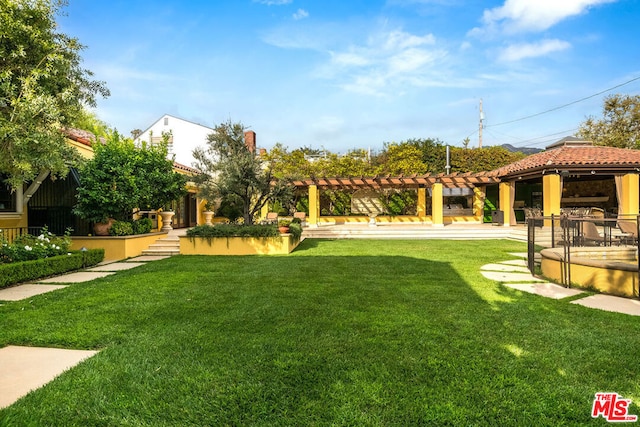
(480,126)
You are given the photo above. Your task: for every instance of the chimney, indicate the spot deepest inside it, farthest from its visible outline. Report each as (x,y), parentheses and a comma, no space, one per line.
(250,140)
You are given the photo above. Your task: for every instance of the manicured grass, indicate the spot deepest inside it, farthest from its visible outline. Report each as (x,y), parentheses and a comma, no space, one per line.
(337,333)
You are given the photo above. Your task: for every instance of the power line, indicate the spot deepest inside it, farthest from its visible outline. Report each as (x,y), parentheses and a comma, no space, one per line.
(565,105)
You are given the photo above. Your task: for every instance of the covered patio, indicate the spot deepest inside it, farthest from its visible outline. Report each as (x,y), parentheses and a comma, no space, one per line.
(575,177)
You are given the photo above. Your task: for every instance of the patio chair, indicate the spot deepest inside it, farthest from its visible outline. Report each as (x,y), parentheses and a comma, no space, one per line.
(590,234)
(302,216)
(272,218)
(629,231)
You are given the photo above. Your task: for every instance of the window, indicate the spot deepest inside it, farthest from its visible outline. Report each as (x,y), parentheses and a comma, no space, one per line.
(166,121)
(9,200)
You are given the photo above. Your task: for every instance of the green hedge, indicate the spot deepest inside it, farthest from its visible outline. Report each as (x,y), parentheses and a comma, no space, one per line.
(17,272)
(234,230)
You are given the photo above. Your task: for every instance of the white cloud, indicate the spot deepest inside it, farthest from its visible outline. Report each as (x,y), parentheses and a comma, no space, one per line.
(527,15)
(386,61)
(300,14)
(520,51)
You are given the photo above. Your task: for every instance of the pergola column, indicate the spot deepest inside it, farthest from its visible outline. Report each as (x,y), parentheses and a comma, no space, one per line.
(479,195)
(422,202)
(314,206)
(628,205)
(437,216)
(506,189)
(551,195)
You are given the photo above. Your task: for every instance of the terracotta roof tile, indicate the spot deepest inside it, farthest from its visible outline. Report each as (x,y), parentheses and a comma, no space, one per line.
(576,156)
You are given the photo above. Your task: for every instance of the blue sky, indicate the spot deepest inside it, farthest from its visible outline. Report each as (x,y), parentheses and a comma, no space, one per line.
(359,73)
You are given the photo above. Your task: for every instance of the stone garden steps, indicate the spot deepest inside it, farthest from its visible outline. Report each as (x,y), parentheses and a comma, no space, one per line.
(169,245)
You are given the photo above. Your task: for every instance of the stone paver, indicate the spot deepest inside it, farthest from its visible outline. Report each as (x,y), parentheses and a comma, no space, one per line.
(81,276)
(549,290)
(518,262)
(145,258)
(20,292)
(505,276)
(534,285)
(117,266)
(611,303)
(504,267)
(23,369)
(524,255)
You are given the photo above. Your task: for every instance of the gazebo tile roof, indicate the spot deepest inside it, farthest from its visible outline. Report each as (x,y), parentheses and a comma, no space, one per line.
(577,156)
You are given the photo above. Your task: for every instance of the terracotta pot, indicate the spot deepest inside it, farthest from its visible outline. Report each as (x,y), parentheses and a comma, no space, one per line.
(102,228)
(283,230)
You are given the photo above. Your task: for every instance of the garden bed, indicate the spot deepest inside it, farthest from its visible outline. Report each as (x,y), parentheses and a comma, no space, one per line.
(117,247)
(273,245)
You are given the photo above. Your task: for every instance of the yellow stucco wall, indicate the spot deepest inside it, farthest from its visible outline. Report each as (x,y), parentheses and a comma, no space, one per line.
(84,150)
(281,245)
(608,280)
(116,248)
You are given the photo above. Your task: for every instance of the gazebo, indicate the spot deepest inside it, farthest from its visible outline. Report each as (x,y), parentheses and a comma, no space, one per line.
(572,173)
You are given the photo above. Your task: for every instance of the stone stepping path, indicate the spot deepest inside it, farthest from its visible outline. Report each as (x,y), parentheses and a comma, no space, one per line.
(20,292)
(78,277)
(510,276)
(505,267)
(117,266)
(510,273)
(146,258)
(611,303)
(549,290)
(513,274)
(23,369)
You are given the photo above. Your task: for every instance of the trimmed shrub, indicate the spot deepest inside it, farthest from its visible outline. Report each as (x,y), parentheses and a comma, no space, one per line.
(233,230)
(142,226)
(121,228)
(17,272)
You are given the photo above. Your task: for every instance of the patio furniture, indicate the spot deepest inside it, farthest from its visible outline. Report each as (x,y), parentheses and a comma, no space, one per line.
(302,216)
(629,232)
(272,218)
(590,234)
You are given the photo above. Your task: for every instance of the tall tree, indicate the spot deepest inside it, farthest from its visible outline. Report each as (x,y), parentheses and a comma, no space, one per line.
(619,125)
(401,158)
(231,172)
(43,89)
(122,178)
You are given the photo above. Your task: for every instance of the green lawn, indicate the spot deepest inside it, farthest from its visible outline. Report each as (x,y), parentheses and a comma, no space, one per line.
(338,333)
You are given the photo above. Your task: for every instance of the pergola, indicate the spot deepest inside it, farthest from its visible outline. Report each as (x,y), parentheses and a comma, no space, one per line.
(435,182)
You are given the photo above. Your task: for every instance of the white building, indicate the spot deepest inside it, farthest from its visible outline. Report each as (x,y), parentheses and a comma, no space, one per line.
(185,136)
